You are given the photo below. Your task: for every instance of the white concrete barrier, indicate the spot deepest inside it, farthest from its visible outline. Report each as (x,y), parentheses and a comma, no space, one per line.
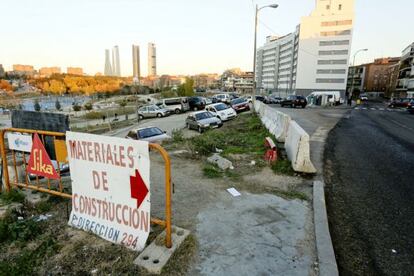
(275,121)
(297,147)
(286,130)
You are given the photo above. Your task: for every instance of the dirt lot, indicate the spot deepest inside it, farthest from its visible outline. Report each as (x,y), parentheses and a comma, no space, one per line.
(267,230)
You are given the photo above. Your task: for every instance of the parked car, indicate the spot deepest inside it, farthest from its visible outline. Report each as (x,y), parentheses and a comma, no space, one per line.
(202,120)
(208,101)
(294,101)
(151,111)
(223,98)
(222,111)
(402,102)
(150,134)
(410,106)
(240,104)
(260,98)
(64,169)
(176,105)
(234,95)
(274,100)
(363,97)
(257,97)
(196,103)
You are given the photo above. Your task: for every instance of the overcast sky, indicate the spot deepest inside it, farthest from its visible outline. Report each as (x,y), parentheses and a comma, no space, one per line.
(192,36)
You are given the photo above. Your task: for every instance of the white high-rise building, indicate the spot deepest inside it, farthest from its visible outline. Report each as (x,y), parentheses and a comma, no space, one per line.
(152,60)
(108,67)
(136,66)
(313,58)
(116,64)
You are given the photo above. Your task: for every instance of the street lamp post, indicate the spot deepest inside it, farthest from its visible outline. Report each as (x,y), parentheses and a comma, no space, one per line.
(273,6)
(353,74)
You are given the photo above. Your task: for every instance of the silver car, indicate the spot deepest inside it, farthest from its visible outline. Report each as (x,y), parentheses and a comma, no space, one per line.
(151,111)
(150,134)
(202,120)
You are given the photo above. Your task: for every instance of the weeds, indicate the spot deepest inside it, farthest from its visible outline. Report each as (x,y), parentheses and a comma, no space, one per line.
(25,262)
(211,171)
(14,195)
(282,167)
(14,229)
(177,136)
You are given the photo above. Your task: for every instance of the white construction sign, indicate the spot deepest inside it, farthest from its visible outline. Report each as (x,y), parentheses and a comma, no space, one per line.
(20,142)
(110,187)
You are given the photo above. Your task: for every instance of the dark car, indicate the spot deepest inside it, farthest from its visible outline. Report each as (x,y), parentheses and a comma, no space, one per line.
(294,101)
(274,100)
(196,103)
(410,107)
(403,102)
(240,104)
(261,99)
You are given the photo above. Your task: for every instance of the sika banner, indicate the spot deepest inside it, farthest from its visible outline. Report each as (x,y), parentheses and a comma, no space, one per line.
(110,187)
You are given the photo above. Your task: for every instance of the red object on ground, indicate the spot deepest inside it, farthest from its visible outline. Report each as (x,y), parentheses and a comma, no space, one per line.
(271,153)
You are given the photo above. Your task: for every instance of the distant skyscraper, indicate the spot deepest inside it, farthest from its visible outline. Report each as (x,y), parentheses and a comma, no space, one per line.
(152,60)
(136,62)
(108,67)
(116,65)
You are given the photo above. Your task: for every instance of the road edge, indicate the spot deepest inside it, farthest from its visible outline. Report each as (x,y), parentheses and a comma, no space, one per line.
(324,247)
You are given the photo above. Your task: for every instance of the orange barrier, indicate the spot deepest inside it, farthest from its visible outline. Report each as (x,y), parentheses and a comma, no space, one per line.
(55,187)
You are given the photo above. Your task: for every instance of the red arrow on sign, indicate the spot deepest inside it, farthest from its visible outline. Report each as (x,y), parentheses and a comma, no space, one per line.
(138,188)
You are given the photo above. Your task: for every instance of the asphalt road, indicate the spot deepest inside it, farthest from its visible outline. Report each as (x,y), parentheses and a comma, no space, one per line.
(369,174)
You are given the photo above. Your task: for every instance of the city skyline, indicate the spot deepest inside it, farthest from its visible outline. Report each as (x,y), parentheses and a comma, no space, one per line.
(187,49)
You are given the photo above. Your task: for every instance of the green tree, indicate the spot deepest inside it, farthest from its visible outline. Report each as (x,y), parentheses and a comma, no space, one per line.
(36,105)
(57,105)
(88,106)
(76,107)
(189,87)
(123,103)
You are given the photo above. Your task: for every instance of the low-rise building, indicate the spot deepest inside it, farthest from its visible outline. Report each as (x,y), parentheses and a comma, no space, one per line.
(48,71)
(20,70)
(371,77)
(74,71)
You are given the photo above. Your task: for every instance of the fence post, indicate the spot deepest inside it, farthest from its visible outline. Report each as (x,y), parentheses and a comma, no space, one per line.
(4,159)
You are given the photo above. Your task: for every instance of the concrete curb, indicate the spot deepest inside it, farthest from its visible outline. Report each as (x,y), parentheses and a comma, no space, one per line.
(324,248)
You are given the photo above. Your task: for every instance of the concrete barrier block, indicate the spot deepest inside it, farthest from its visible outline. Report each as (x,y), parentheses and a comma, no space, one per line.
(297,147)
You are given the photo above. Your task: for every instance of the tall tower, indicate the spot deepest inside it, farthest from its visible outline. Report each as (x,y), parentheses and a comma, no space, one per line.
(108,68)
(136,67)
(152,60)
(116,64)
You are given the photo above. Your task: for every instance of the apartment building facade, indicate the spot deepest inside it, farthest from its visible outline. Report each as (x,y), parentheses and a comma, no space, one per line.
(314,57)
(405,80)
(371,77)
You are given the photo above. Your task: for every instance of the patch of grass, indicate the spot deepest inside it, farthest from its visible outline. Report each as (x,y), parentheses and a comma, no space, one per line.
(283,166)
(26,261)
(13,229)
(245,134)
(14,195)
(44,206)
(177,136)
(211,171)
(180,260)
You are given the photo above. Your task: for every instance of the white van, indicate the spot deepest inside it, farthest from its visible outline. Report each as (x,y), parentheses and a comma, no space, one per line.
(176,105)
(324,98)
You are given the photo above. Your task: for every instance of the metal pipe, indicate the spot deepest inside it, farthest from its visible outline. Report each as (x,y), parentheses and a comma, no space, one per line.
(165,156)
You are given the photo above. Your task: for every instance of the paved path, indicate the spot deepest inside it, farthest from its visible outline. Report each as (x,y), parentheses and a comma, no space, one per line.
(317,122)
(370,192)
